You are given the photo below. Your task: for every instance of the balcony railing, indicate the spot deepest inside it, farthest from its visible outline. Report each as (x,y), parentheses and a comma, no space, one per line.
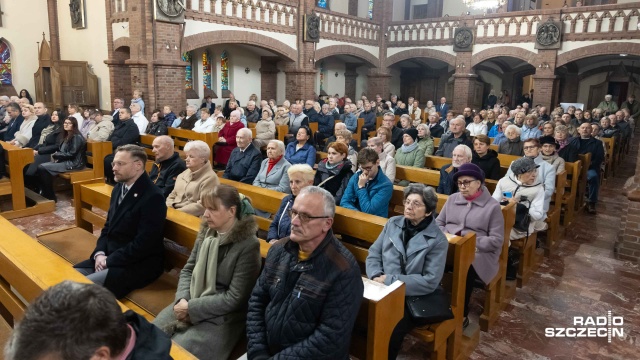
(342,27)
(579,24)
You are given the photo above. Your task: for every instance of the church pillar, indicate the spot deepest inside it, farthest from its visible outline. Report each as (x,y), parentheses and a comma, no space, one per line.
(545,79)
(350,76)
(301,74)
(378,83)
(463,84)
(269,77)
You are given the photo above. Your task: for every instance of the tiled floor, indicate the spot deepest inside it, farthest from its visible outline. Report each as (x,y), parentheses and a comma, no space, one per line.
(582,279)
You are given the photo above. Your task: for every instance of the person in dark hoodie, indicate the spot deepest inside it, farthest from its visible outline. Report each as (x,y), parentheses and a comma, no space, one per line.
(167,165)
(334,172)
(44,120)
(485,157)
(84,321)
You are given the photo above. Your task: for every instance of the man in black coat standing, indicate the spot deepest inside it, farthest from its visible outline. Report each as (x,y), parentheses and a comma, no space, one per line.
(245,160)
(129,254)
(126,132)
(168,164)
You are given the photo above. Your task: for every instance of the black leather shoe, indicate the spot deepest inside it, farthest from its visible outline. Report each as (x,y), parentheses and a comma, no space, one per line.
(465,322)
(591,208)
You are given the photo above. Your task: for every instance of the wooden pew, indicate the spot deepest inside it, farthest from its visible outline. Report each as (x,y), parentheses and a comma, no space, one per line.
(554,215)
(282,131)
(582,180)
(571,190)
(429,177)
(27,268)
(16,159)
(609,162)
(96,152)
(357,135)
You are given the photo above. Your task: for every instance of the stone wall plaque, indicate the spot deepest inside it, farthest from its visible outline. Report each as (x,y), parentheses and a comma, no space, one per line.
(311,28)
(169,10)
(549,35)
(77,12)
(463,39)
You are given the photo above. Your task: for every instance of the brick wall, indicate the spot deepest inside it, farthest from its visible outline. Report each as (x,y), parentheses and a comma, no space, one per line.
(269,77)
(628,244)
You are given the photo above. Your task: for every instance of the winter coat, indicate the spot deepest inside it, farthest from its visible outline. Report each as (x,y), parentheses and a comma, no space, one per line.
(448,142)
(530,132)
(570,152)
(126,132)
(165,173)
(426,143)
(436,130)
(593,146)
(341,174)
(305,309)
(296,121)
(101,132)
(482,216)
(41,123)
(556,162)
(156,128)
(477,129)
(372,199)
(189,185)
(223,149)
(72,152)
(281,225)
(51,142)
(413,158)
(244,165)
(513,147)
(425,257)
(489,163)
(217,321)
(388,166)
(151,342)
(326,124)
(351,122)
(23,136)
(305,155)
(546,175)
(277,179)
(446,185)
(266,130)
(188,122)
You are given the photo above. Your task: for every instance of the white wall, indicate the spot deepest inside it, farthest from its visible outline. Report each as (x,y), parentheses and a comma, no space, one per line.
(362,81)
(240,83)
(363,8)
(585,84)
(495,81)
(457,8)
(23,23)
(332,84)
(88,44)
(398,11)
(341,6)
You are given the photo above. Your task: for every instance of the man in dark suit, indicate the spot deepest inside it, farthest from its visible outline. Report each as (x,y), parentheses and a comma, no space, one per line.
(13,109)
(244,163)
(129,253)
(118,104)
(442,108)
(436,129)
(126,132)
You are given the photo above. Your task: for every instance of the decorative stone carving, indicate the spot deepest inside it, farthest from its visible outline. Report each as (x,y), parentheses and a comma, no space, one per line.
(169,10)
(549,35)
(76,9)
(463,39)
(311,28)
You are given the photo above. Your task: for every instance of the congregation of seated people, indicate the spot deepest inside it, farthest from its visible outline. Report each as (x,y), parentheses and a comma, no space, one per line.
(317,172)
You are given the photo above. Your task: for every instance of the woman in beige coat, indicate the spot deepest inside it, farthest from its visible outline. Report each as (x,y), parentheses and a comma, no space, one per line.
(103,129)
(265,129)
(198,177)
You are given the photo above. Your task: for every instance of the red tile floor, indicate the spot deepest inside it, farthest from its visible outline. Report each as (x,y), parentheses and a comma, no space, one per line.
(582,278)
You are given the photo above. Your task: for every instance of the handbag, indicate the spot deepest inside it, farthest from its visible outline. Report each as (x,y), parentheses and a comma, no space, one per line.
(428,309)
(522,218)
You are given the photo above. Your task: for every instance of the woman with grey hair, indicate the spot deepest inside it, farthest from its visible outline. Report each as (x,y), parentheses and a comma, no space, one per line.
(273,170)
(190,120)
(265,129)
(513,145)
(411,248)
(425,141)
(567,150)
(192,182)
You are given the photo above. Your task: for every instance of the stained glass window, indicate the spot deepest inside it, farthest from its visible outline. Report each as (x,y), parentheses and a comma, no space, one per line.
(321,76)
(188,77)
(370,9)
(5,64)
(224,67)
(206,70)
(322,3)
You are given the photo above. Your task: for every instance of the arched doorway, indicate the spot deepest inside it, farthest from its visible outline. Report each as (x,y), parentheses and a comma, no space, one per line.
(422,78)
(505,73)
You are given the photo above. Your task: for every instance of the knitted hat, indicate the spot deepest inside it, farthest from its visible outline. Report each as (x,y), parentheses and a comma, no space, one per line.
(469,169)
(413,132)
(523,165)
(549,140)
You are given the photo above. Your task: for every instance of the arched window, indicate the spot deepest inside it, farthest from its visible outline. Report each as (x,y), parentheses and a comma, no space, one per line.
(370,12)
(206,71)
(224,69)
(5,64)
(188,76)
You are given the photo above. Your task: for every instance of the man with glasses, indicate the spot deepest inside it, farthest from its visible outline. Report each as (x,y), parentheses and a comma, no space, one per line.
(167,165)
(369,189)
(129,253)
(546,172)
(306,300)
(118,103)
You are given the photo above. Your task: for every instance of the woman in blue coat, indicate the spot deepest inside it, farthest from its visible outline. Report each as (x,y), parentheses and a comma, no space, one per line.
(302,150)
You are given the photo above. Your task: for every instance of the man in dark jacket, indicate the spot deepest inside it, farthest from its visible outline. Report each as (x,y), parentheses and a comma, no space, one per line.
(588,144)
(126,132)
(369,117)
(457,136)
(168,164)
(82,321)
(129,253)
(245,160)
(251,112)
(13,109)
(44,120)
(326,123)
(306,300)
(311,113)
(435,129)
(632,105)
(388,121)
(461,155)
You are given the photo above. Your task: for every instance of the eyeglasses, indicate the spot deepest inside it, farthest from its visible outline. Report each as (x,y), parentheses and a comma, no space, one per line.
(530,147)
(367,168)
(465,183)
(302,216)
(414,204)
(121,163)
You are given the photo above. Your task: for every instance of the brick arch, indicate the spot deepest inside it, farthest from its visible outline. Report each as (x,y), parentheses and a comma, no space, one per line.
(499,51)
(209,38)
(612,48)
(421,53)
(332,50)
(122,41)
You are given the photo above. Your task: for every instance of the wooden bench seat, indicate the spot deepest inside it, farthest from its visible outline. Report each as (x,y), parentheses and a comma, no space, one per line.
(429,177)
(96,152)
(28,268)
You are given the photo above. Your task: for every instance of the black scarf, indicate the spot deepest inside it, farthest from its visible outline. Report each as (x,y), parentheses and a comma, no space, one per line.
(409,230)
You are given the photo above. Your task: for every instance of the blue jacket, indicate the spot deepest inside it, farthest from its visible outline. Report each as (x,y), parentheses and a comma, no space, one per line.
(493,132)
(530,133)
(326,124)
(305,155)
(351,122)
(369,120)
(12,128)
(372,199)
(446,186)
(281,225)
(425,254)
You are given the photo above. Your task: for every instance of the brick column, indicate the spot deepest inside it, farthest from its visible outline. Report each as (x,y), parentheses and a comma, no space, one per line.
(54,35)
(544,86)
(628,244)
(378,83)
(301,75)
(269,77)
(463,84)
(350,76)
